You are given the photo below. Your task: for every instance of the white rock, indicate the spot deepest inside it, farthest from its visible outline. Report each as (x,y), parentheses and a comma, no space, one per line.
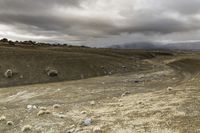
(169,88)
(125,93)
(10,123)
(29,107)
(83,112)
(92,103)
(2,118)
(43,108)
(21,76)
(97,129)
(70,130)
(55,106)
(34,107)
(87,122)
(27,128)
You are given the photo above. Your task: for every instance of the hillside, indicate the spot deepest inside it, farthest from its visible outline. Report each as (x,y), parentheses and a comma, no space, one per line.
(29,63)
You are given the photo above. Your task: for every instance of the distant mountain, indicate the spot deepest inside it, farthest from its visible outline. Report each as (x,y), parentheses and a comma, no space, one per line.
(194,46)
(137,45)
(183,46)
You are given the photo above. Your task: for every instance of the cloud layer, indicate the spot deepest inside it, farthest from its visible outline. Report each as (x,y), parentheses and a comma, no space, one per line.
(100,22)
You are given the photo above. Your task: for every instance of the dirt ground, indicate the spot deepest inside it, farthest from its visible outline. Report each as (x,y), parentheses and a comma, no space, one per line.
(163,99)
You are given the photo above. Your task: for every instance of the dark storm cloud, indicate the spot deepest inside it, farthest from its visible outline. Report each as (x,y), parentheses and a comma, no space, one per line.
(85,19)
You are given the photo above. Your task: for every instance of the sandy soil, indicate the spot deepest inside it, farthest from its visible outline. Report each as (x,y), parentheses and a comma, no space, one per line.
(164,99)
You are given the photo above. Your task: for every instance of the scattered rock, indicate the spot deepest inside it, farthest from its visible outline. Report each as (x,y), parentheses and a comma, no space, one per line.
(2,118)
(21,76)
(40,113)
(120,100)
(125,93)
(29,107)
(87,122)
(102,67)
(78,130)
(43,112)
(27,128)
(34,107)
(55,106)
(10,123)
(8,73)
(43,108)
(124,67)
(61,116)
(71,130)
(97,129)
(92,103)
(83,112)
(52,73)
(47,112)
(169,89)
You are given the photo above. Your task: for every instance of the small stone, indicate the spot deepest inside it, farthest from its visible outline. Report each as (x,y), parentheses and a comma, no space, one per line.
(169,89)
(10,123)
(21,76)
(83,112)
(78,130)
(61,116)
(92,103)
(43,108)
(47,112)
(87,122)
(97,129)
(125,93)
(29,107)
(55,106)
(124,67)
(71,130)
(8,73)
(2,118)
(27,128)
(52,73)
(40,113)
(34,107)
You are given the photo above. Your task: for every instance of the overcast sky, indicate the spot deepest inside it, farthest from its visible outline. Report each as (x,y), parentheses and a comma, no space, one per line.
(100,22)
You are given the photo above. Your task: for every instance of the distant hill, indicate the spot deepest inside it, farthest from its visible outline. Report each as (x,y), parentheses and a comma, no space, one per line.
(194,46)
(137,45)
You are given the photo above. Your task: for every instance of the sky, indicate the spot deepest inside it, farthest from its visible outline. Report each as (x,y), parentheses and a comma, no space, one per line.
(100,23)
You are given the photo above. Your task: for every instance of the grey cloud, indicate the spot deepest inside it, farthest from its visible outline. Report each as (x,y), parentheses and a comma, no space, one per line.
(43,17)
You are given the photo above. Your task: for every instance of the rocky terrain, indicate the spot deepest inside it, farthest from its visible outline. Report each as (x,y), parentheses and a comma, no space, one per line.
(98,91)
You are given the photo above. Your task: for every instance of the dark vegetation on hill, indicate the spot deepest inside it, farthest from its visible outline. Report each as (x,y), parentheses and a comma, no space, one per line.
(6,42)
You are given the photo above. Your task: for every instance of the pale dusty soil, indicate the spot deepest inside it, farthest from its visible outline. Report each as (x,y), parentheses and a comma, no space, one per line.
(151,107)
